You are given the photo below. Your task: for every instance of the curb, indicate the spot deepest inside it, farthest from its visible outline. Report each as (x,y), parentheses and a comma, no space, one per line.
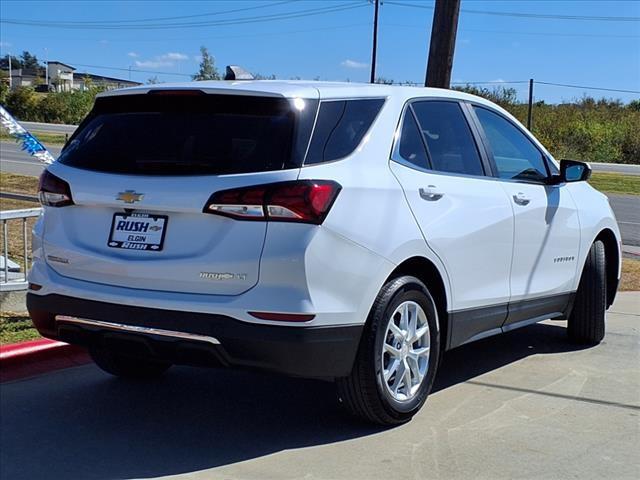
(26,359)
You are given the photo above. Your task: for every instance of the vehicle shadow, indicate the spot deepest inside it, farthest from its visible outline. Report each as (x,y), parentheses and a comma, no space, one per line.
(81,423)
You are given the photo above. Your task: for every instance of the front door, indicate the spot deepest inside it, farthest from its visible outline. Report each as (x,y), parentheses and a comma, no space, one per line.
(547,231)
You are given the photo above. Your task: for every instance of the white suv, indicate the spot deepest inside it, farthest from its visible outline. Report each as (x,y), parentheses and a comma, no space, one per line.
(327,230)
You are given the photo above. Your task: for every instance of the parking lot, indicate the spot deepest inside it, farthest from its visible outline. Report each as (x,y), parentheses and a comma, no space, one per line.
(524,404)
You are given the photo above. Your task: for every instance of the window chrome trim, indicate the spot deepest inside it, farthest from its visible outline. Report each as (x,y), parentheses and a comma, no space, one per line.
(137,329)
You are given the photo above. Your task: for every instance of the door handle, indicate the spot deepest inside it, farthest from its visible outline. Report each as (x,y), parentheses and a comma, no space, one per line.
(521,199)
(430,193)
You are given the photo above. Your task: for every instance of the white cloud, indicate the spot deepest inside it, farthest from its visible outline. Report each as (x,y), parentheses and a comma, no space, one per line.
(133,54)
(498,80)
(173,56)
(165,60)
(353,64)
(153,63)
(5,44)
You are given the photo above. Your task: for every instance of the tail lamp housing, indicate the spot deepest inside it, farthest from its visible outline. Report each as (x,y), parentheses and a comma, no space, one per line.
(300,201)
(53,191)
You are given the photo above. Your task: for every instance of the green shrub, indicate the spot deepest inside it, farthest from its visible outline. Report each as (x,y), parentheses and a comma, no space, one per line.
(589,129)
(22,102)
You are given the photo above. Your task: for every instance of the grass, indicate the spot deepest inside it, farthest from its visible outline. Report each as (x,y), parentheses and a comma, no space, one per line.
(16,327)
(616,183)
(10,182)
(630,275)
(56,139)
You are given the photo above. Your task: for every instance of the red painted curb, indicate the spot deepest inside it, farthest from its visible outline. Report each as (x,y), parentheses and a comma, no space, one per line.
(26,359)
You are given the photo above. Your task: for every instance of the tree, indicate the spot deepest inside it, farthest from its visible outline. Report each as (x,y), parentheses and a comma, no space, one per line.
(15,62)
(259,76)
(29,61)
(208,70)
(384,81)
(22,103)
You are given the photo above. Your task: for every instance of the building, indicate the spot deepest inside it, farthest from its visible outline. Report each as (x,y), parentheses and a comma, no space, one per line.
(60,77)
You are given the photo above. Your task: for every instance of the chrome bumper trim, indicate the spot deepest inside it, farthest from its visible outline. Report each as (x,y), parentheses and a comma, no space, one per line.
(137,329)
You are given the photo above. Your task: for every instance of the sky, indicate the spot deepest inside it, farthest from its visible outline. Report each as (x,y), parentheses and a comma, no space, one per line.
(331,40)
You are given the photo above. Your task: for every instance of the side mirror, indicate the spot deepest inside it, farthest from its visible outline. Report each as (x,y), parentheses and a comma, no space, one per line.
(574,171)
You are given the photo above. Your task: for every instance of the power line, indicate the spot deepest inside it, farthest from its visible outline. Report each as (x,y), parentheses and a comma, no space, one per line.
(226,22)
(491,82)
(587,88)
(129,70)
(198,15)
(500,82)
(541,34)
(529,15)
(215,37)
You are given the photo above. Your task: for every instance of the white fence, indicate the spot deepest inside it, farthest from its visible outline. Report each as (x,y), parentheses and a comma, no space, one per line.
(12,277)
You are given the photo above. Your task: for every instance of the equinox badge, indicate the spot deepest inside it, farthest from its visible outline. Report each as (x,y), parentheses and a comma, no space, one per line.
(130,196)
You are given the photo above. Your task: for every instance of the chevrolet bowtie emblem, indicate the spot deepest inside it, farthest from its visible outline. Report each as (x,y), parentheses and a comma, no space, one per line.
(130,196)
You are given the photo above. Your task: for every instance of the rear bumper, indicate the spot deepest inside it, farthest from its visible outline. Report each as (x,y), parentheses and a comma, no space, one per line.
(304,351)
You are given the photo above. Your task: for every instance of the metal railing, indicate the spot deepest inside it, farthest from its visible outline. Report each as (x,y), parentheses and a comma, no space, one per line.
(6,217)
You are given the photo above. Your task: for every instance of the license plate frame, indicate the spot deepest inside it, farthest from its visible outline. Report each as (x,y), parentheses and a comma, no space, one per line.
(137,239)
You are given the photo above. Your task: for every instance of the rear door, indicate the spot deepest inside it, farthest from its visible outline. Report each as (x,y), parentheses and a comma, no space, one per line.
(141,169)
(464,215)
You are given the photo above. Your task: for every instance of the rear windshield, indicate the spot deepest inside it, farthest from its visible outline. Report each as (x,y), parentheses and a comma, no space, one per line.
(191,135)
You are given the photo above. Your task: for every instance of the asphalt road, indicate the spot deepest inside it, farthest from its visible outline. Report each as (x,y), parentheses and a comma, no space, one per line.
(527,404)
(616,168)
(626,207)
(49,127)
(14,160)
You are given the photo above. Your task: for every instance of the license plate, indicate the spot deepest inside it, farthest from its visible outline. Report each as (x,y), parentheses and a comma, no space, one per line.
(138,231)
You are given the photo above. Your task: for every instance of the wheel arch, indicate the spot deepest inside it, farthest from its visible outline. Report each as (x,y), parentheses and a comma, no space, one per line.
(427,272)
(612,261)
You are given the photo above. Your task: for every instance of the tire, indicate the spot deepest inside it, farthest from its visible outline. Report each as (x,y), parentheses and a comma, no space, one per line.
(126,366)
(586,322)
(365,393)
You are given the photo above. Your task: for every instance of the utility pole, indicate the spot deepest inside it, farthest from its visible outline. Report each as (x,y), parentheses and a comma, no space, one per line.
(530,110)
(374,49)
(46,68)
(10,76)
(443,42)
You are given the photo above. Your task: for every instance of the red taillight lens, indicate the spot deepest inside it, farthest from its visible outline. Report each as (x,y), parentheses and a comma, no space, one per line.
(53,191)
(304,201)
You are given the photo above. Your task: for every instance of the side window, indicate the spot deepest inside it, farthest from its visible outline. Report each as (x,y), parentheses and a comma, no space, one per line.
(340,127)
(411,147)
(515,155)
(449,139)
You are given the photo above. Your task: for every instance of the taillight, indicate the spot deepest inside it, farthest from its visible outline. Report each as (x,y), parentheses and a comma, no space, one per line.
(304,201)
(53,191)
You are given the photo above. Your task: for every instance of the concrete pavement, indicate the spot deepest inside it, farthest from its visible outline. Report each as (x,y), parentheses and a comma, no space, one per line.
(526,404)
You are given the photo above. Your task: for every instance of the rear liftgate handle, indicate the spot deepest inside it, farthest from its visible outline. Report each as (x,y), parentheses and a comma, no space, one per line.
(430,193)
